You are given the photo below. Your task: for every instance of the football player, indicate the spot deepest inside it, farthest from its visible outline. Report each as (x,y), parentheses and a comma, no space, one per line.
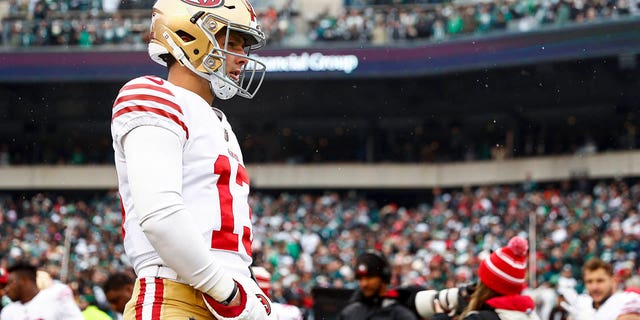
(53,302)
(118,289)
(182,179)
(601,299)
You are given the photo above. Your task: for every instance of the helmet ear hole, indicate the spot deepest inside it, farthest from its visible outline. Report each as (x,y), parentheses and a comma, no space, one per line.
(185,36)
(196,51)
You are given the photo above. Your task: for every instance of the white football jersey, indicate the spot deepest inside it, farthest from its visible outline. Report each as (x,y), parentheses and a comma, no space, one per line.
(215,183)
(609,310)
(53,303)
(286,311)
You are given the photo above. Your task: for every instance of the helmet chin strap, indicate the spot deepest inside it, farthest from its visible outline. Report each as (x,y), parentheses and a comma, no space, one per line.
(222,89)
(218,86)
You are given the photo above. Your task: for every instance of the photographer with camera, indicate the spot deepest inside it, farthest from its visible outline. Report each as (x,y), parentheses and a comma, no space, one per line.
(374,300)
(495,297)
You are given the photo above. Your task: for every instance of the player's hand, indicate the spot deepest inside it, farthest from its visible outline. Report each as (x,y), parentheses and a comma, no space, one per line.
(437,307)
(245,306)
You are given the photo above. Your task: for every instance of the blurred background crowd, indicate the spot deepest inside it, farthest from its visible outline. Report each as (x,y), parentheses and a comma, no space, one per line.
(309,239)
(87,23)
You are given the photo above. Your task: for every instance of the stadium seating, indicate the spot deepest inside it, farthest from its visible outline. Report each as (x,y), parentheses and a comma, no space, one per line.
(310,239)
(107,23)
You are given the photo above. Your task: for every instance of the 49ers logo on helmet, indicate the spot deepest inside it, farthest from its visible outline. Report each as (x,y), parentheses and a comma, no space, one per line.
(205,3)
(251,11)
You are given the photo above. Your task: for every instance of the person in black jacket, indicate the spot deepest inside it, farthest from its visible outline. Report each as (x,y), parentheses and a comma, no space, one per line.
(374,300)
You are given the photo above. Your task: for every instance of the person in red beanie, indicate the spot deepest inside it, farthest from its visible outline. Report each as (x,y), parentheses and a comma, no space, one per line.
(497,295)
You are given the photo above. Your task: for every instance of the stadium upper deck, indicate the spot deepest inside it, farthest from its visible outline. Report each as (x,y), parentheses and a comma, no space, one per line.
(93,23)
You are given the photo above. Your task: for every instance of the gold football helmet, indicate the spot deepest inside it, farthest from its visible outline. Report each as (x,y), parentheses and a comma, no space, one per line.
(187,30)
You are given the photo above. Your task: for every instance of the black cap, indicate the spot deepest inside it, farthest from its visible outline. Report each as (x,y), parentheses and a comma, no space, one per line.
(373,264)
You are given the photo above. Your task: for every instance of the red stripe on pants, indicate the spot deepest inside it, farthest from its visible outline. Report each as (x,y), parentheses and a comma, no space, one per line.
(158,298)
(140,301)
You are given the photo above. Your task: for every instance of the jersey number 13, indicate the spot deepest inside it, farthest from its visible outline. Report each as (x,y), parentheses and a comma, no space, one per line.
(226,238)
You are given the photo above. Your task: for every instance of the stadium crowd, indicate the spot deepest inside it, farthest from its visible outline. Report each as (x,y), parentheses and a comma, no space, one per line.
(311,240)
(88,23)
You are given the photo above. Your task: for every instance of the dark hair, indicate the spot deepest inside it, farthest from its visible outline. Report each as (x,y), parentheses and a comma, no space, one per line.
(24,269)
(480,295)
(596,263)
(168,59)
(117,281)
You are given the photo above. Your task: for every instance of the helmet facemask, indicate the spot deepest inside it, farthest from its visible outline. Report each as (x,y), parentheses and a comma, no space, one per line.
(182,30)
(251,74)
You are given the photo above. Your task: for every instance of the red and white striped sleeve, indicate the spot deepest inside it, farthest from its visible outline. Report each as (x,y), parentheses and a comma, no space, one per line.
(147,101)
